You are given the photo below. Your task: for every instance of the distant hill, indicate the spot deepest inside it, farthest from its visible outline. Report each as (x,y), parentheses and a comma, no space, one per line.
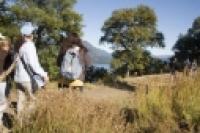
(98,56)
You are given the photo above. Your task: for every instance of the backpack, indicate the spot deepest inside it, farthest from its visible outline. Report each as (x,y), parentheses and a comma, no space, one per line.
(71,67)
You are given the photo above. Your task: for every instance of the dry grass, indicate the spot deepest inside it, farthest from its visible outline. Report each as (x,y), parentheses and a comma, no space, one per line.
(60,112)
(165,109)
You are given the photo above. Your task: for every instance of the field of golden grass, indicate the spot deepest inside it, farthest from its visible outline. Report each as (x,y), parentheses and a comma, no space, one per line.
(157,104)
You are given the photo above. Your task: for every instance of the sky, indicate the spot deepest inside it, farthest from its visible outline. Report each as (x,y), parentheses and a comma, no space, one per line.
(174,17)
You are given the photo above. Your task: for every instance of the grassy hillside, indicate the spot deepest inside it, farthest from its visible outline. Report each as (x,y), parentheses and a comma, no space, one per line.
(158,105)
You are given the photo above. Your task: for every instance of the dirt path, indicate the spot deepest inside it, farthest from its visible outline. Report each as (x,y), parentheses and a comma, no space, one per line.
(100,92)
(106,93)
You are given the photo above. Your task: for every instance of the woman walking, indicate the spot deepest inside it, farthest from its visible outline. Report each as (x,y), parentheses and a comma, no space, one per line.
(6,68)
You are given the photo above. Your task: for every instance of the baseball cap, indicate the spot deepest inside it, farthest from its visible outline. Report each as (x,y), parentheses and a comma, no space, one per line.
(27,29)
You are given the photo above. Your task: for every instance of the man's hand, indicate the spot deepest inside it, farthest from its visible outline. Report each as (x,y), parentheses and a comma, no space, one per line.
(46,79)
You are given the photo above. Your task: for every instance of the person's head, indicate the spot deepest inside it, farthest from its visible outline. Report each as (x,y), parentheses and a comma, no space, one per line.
(27,31)
(5,43)
(73,40)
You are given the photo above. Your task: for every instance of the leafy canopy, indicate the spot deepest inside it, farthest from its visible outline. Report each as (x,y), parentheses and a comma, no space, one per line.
(129,27)
(51,17)
(188,45)
(130,31)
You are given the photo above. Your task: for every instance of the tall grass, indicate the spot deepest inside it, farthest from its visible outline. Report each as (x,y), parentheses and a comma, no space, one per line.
(166,109)
(170,109)
(186,100)
(60,112)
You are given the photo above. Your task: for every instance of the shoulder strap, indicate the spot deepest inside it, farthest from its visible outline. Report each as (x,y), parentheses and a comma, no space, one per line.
(29,68)
(26,67)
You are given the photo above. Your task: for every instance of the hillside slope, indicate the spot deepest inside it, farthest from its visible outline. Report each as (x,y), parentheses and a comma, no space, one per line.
(98,56)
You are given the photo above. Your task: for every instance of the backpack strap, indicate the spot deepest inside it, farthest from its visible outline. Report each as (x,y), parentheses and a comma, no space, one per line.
(29,69)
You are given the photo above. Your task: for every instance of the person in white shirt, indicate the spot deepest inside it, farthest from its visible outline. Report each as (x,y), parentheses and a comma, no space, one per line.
(27,51)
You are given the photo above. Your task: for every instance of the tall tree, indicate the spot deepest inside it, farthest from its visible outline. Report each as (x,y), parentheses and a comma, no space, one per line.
(7,25)
(51,17)
(188,45)
(130,31)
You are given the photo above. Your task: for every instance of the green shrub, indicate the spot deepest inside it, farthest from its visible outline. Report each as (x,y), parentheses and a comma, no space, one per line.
(186,100)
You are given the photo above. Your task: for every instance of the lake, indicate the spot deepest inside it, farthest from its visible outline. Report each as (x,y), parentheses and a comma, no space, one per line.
(105,66)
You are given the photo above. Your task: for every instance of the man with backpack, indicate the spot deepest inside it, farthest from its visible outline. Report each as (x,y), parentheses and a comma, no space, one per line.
(73,61)
(27,68)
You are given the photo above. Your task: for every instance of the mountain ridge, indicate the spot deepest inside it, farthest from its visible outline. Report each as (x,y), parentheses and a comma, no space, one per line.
(98,56)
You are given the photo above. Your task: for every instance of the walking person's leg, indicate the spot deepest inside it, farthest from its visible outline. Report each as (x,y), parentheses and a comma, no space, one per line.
(21,99)
(20,103)
(24,103)
(3,104)
(62,83)
(31,98)
(25,94)
(29,89)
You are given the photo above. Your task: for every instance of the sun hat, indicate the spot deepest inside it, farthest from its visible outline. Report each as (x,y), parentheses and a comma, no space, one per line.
(27,29)
(76,83)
